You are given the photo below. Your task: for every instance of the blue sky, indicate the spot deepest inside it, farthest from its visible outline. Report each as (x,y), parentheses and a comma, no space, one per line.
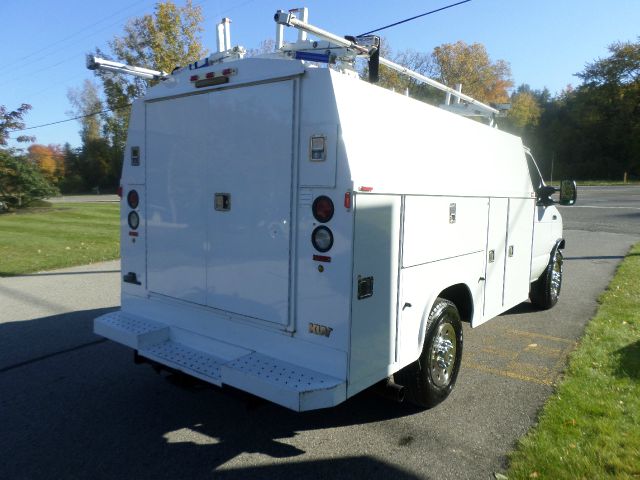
(545,41)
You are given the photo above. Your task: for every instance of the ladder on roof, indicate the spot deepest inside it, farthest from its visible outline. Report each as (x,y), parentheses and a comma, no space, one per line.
(368,46)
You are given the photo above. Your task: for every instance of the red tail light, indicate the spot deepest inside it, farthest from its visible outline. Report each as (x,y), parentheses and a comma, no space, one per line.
(322,209)
(133,199)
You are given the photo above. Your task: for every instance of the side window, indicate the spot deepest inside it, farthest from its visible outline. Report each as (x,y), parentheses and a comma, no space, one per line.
(534,172)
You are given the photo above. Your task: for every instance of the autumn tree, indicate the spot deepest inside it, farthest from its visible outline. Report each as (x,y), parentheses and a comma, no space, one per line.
(419,62)
(168,38)
(524,110)
(48,159)
(481,78)
(453,63)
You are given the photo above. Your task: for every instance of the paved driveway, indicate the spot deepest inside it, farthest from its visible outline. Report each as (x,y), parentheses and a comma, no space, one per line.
(75,406)
(84,198)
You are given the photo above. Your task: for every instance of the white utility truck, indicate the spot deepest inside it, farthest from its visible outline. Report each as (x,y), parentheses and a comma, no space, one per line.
(296,232)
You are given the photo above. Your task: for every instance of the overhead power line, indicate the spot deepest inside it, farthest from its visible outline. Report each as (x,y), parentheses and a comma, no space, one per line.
(248,1)
(21,60)
(413,18)
(70,119)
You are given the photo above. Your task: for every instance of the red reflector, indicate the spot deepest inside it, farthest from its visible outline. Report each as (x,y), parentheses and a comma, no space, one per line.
(120,191)
(347,200)
(365,189)
(193,78)
(210,75)
(322,209)
(133,199)
(228,71)
(133,234)
(321,258)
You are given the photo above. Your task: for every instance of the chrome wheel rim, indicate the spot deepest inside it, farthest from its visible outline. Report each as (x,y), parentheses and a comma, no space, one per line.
(556,276)
(442,358)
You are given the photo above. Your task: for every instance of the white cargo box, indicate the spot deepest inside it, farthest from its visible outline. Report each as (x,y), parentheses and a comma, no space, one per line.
(293,228)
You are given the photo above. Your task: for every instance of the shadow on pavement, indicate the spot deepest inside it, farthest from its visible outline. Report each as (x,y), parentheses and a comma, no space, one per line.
(28,341)
(347,468)
(78,407)
(521,309)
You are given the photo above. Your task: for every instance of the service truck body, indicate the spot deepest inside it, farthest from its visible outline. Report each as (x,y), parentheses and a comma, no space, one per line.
(221,279)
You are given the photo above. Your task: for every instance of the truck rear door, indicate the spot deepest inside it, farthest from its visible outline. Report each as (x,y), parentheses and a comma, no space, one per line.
(219,183)
(251,162)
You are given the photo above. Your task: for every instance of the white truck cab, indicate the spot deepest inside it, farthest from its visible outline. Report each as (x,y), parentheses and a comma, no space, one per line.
(298,233)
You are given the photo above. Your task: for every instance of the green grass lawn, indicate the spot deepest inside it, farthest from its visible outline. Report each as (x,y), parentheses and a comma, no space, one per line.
(601,183)
(62,235)
(590,429)
(604,183)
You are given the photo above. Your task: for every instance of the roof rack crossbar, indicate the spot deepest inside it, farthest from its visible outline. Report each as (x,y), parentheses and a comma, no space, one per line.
(287,18)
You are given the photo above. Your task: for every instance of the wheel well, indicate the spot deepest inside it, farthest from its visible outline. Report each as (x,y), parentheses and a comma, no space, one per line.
(461,296)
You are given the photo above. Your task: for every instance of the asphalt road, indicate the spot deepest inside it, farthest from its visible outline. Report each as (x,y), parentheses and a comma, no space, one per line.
(84,198)
(75,406)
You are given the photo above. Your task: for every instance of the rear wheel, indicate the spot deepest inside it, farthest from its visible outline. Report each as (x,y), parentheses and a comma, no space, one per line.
(546,290)
(430,379)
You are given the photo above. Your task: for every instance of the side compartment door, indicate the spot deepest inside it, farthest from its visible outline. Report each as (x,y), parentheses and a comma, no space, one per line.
(375,288)
(495,261)
(518,258)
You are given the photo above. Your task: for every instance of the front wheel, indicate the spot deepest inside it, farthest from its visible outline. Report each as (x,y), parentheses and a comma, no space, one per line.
(430,379)
(546,290)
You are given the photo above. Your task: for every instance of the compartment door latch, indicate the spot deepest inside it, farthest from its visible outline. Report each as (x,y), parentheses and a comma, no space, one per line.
(222,202)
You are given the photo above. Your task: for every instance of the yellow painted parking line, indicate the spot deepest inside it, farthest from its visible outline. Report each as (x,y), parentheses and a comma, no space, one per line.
(544,351)
(533,357)
(500,352)
(509,374)
(524,333)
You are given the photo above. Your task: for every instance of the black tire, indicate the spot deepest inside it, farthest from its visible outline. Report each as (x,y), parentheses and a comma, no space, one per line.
(430,379)
(545,291)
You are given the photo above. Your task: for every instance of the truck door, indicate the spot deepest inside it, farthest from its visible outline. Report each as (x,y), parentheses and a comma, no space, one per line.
(248,185)
(177,151)
(219,183)
(518,255)
(375,270)
(495,261)
(508,254)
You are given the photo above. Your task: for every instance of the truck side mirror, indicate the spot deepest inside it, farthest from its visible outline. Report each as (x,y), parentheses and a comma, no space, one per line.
(568,192)
(544,195)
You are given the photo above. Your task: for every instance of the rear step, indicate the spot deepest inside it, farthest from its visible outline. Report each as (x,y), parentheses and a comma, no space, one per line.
(179,357)
(281,382)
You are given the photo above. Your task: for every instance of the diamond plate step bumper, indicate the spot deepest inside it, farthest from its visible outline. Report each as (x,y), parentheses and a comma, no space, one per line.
(281,382)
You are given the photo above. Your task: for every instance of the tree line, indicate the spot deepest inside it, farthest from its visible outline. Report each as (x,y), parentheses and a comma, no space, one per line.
(590,132)
(587,132)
